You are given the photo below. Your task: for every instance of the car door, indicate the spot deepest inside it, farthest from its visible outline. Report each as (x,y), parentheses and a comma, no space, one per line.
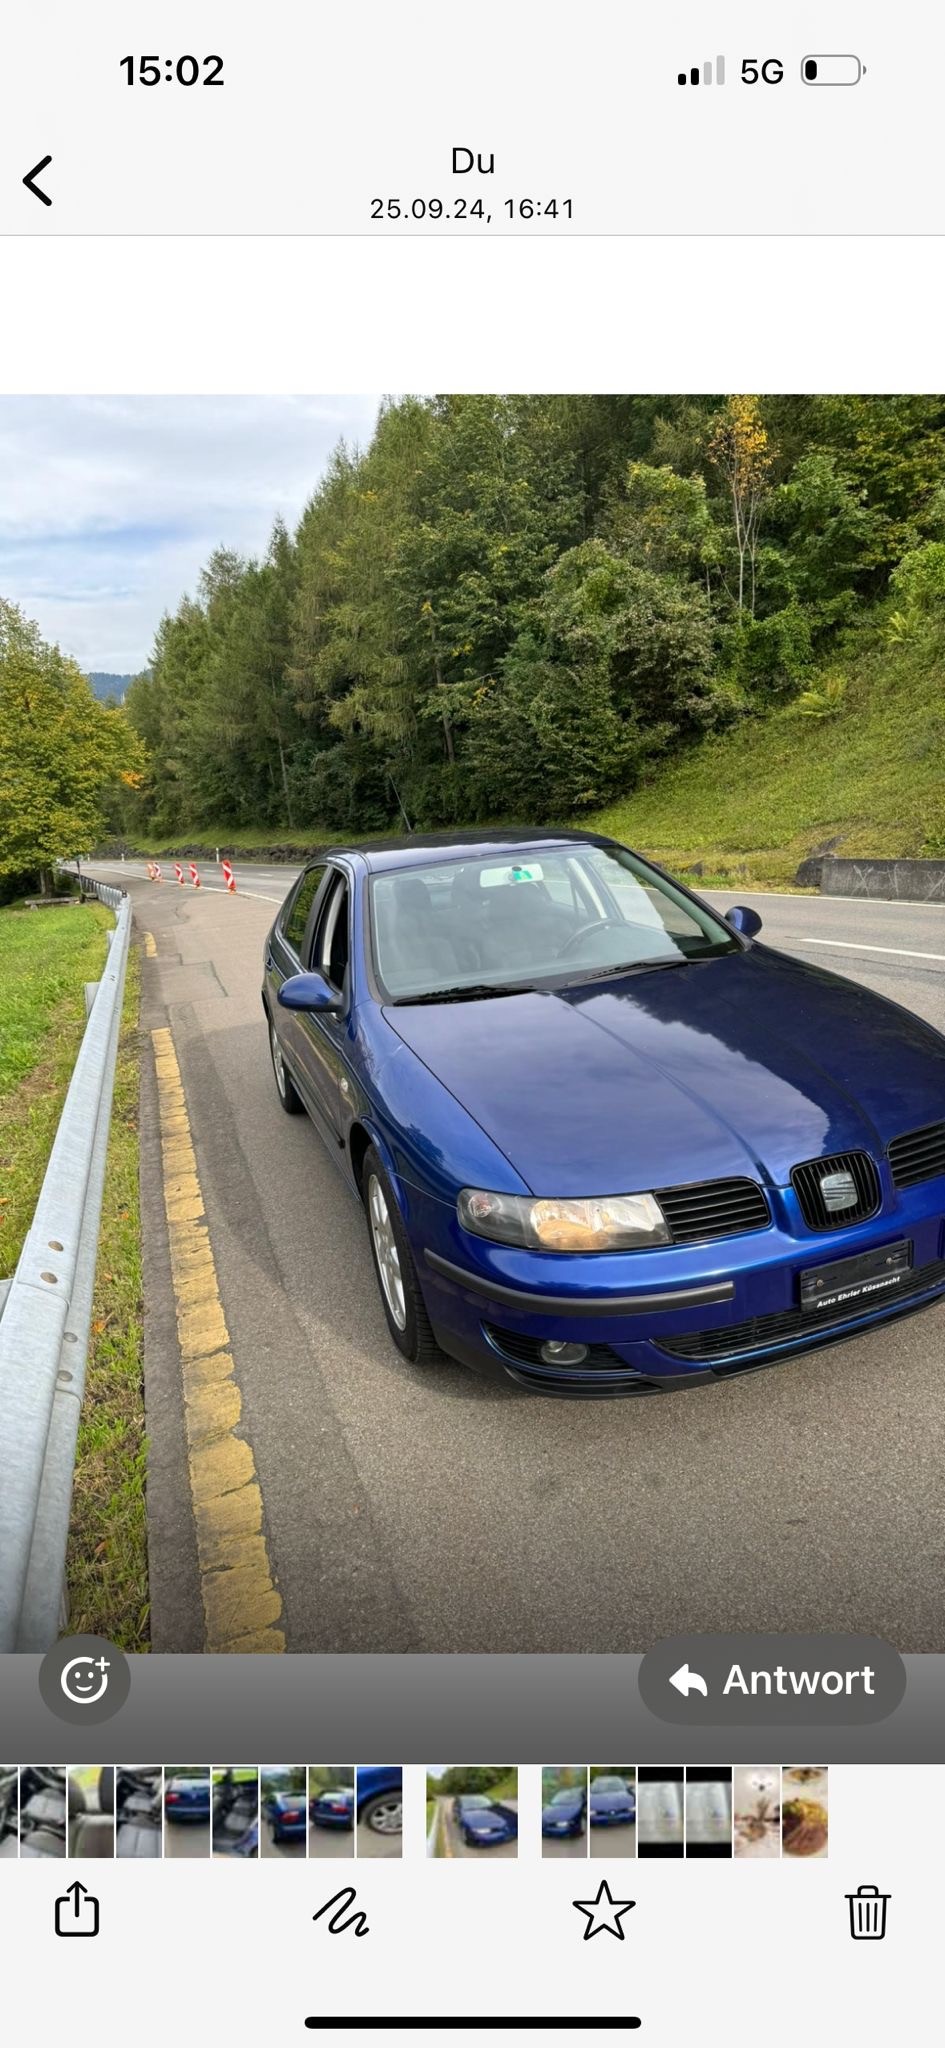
(288,953)
(324,1034)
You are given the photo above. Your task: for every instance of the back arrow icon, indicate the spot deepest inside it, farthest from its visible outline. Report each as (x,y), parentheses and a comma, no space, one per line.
(687,1681)
(34,173)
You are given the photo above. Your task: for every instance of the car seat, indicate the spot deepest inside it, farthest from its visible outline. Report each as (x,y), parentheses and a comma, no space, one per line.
(419,950)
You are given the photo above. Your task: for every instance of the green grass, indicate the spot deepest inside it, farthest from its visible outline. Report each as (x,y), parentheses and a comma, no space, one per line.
(244,839)
(507,1787)
(751,804)
(107,1564)
(45,958)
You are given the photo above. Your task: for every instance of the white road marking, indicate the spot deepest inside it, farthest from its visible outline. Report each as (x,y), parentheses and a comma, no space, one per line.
(858,946)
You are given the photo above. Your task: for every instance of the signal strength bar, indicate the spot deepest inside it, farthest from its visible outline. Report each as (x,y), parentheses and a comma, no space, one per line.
(702,75)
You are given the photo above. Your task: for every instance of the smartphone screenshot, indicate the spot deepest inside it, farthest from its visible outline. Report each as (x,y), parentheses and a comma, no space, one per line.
(472,1022)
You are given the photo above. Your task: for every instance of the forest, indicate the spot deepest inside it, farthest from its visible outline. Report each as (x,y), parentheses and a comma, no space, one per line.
(525,607)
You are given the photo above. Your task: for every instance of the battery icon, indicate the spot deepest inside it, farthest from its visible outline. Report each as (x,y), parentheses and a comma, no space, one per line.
(831,70)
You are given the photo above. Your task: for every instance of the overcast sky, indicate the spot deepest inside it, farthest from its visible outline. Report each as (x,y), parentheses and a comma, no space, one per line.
(109,507)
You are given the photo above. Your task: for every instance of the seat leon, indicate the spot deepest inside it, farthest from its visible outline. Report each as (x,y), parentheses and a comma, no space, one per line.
(606,1141)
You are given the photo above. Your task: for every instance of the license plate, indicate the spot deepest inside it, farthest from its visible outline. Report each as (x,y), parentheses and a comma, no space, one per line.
(865,1277)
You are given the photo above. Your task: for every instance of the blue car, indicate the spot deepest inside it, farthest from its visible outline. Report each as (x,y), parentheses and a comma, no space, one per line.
(187,1796)
(285,1814)
(333,1808)
(613,1802)
(484,1823)
(604,1140)
(564,1813)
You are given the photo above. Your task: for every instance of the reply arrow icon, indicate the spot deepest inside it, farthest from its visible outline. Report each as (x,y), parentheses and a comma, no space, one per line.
(687,1681)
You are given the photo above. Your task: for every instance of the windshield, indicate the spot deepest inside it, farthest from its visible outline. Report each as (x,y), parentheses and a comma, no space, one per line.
(477,1804)
(497,922)
(565,1798)
(608,1785)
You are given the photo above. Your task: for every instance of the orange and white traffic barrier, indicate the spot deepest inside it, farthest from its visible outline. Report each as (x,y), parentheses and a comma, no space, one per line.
(195,878)
(228,877)
(157,876)
(179,872)
(151,876)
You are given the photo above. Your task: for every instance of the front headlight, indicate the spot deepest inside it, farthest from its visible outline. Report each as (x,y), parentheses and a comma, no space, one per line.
(608,1223)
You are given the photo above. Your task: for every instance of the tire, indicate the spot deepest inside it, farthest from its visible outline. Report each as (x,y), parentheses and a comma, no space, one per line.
(394,1267)
(286,1090)
(384,1814)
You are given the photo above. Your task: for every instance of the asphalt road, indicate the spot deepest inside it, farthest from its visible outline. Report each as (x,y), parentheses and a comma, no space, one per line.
(372,1843)
(556,1847)
(292,1852)
(613,1841)
(326,1843)
(452,1843)
(187,1838)
(411,1511)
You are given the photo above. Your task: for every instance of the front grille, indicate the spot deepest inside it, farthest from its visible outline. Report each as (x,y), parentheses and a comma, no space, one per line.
(713,1208)
(918,1155)
(763,1331)
(807,1179)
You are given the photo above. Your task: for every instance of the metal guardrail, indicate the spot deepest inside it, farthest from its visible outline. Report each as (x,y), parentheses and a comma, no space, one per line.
(45,1319)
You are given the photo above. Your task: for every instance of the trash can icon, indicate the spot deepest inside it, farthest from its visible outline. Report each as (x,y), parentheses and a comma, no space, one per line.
(868,1912)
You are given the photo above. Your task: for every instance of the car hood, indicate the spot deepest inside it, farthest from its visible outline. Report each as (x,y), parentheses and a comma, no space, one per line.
(742,1065)
(610,1802)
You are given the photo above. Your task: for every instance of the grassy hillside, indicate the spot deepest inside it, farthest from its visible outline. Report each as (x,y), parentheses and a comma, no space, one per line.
(750,804)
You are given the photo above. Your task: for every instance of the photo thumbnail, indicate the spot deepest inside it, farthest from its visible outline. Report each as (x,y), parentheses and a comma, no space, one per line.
(472,1810)
(331,1809)
(283,1802)
(612,1810)
(235,1795)
(186,1810)
(379,1810)
(804,1829)
(564,1808)
(757,1810)
(661,1810)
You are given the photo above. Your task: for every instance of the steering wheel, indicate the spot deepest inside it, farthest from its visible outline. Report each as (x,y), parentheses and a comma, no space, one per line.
(597,924)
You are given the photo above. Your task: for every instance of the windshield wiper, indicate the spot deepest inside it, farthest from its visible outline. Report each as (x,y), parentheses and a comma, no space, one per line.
(628,967)
(469,992)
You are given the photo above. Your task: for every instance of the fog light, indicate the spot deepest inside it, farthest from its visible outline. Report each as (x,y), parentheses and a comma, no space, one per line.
(564,1354)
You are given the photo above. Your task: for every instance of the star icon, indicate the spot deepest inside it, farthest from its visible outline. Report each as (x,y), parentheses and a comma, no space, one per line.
(604,1912)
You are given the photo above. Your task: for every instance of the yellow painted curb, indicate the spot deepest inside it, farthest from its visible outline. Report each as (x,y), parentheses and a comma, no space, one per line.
(240,1602)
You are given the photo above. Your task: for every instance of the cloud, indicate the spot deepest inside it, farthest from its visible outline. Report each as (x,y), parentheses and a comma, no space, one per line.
(109,507)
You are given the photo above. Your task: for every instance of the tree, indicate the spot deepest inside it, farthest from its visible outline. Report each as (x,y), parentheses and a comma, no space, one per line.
(743,455)
(60,750)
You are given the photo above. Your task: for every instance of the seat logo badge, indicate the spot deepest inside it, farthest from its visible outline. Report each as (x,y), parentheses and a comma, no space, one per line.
(838,1191)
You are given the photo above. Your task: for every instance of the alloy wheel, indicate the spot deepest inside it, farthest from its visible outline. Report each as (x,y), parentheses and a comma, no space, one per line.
(388,1819)
(386,1253)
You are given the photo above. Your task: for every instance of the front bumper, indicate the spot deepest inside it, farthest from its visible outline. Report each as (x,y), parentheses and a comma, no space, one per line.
(658,1321)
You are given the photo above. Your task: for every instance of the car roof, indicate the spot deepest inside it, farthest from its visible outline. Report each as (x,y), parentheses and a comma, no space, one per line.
(424,849)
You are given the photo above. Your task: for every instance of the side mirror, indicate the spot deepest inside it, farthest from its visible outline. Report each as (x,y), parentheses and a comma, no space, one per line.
(308,992)
(745,921)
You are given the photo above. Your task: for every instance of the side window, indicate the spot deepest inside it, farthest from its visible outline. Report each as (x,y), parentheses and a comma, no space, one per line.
(296,917)
(331,942)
